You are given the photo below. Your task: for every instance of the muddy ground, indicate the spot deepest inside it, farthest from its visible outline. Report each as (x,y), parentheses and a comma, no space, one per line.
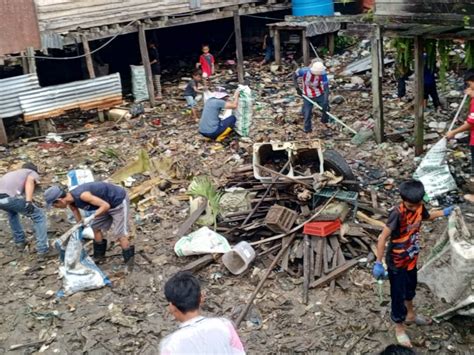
(131,316)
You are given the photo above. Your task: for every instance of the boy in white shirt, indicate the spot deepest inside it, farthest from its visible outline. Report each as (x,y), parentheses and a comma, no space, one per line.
(196,334)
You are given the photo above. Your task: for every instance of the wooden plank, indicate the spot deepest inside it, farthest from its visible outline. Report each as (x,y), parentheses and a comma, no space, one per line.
(419,97)
(363,217)
(146,64)
(198,264)
(238,46)
(318,265)
(188,223)
(88,56)
(335,273)
(312,258)
(306,268)
(377,73)
(277,45)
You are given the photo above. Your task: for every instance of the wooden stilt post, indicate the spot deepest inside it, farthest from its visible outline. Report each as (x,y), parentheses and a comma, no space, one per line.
(30,52)
(331,44)
(146,64)
(24,63)
(305,47)
(238,46)
(88,56)
(377,102)
(276,44)
(419,126)
(3,133)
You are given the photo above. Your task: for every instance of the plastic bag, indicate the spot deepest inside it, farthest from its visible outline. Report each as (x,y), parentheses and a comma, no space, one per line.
(434,173)
(202,241)
(78,271)
(75,178)
(244,111)
(139,89)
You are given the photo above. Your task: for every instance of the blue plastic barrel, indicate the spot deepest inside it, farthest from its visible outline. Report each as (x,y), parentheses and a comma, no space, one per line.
(313,8)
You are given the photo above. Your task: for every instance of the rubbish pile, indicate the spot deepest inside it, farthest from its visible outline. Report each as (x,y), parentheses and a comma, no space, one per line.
(296,201)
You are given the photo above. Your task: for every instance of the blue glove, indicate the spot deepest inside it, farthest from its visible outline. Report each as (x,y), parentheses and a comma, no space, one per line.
(447,211)
(378,271)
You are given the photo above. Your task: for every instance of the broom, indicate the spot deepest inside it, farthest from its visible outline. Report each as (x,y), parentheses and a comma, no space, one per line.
(359,137)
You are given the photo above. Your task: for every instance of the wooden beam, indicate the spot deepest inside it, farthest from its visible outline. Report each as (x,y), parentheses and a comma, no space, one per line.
(306,267)
(419,99)
(146,64)
(335,273)
(276,44)
(377,101)
(305,47)
(238,46)
(88,56)
(30,52)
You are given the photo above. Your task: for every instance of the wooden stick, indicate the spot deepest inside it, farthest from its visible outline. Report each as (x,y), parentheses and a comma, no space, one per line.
(262,281)
(289,178)
(279,236)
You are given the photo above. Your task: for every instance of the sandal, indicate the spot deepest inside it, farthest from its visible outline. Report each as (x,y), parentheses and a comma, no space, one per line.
(403,340)
(420,320)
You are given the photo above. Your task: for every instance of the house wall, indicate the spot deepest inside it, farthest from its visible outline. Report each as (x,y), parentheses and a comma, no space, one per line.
(18,21)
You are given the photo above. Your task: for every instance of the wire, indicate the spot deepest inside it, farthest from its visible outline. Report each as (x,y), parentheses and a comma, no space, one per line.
(265,18)
(77,56)
(226,43)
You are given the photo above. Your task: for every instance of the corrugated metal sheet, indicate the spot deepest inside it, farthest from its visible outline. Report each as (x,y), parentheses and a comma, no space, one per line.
(10,91)
(52,40)
(52,101)
(18,26)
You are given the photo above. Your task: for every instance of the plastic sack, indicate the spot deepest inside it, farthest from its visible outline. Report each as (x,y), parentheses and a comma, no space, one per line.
(139,88)
(449,273)
(244,111)
(202,241)
(434,173)
(78,271)
(75,178)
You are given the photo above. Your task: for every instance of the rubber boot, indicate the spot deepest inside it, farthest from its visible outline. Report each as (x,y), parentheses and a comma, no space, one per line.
(100,249)
(129,257)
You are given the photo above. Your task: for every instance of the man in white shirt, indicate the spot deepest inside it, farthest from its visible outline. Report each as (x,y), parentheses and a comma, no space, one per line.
(196,334)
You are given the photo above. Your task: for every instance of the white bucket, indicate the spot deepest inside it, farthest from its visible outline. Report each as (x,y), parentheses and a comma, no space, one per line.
(239,258)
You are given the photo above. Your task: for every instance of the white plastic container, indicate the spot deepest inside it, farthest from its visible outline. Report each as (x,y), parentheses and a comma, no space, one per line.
(239,258)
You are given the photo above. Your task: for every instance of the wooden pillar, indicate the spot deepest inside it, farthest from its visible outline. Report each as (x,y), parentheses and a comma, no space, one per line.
(305,47)
(30,52)
(3,133)
(377,102)
(419,66)
(24,63)
(146,63)
(238,46)
(276,44)
(331,44)
(88,56)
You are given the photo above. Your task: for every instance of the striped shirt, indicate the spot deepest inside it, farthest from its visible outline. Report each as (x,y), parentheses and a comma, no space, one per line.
(313,85)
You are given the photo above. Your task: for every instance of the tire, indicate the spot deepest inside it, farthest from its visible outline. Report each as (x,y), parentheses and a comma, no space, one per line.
(335,162)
